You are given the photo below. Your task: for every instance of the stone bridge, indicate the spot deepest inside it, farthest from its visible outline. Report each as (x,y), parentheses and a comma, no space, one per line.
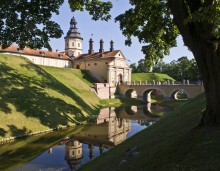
(144,91)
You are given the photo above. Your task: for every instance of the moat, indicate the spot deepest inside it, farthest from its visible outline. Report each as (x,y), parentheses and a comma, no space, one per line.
(111,127)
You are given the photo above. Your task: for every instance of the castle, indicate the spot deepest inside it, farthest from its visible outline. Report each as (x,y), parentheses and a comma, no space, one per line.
(105,66)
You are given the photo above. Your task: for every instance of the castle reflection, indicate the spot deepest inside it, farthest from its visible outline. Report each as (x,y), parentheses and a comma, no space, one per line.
(109,129)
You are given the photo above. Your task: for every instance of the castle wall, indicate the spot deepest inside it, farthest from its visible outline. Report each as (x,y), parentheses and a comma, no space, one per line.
(46,61)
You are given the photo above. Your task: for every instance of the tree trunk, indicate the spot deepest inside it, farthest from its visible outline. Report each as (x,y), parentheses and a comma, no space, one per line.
(206,50)
(208,60)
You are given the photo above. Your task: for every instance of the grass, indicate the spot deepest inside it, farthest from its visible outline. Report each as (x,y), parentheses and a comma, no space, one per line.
(120,101)
(175,143)
(34,98)
(150,77)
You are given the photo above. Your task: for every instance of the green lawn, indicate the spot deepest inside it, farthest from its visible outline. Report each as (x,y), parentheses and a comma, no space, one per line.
(150,77)
(120,101)
(34,99)
(175,143)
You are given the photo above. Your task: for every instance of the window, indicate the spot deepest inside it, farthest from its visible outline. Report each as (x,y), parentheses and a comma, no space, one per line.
(67,44)
(72,43)
(78,44)
(95,64)
(78,151)
(88,64)
(72,152)
(106,63)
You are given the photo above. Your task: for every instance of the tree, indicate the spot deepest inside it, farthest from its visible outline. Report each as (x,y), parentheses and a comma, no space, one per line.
(134,67)
(159,22)
(142,66)
(28,23)
(181,69)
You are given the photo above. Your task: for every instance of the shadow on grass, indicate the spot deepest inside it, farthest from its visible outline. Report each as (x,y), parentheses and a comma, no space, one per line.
(16,131)
(28,95)
(2,132)
(51,82)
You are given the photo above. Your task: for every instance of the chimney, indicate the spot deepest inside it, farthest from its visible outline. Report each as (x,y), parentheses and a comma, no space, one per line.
(111,46)
(91,51)
(101,50)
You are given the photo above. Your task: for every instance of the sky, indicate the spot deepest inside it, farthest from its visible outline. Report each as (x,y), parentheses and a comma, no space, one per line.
(107,31)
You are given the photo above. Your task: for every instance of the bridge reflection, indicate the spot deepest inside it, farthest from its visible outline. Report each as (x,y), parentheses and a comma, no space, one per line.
(110,128)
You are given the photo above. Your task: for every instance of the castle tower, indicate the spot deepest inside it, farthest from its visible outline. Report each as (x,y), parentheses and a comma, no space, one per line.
(73,40)
(73,153)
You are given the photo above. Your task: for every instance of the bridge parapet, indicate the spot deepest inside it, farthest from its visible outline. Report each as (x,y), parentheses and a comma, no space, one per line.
(168,82)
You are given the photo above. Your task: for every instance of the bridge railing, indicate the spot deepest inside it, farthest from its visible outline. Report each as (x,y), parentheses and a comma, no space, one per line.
(184,82)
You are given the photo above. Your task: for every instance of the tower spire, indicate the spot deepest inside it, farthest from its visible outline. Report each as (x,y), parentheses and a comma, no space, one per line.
(73,39)
(73,23)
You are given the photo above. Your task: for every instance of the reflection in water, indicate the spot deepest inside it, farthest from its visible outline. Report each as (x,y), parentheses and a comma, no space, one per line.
(111,127)
(73,153)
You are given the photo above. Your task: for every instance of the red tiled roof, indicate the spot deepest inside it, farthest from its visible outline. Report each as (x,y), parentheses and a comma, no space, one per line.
(97,55)
(28,51)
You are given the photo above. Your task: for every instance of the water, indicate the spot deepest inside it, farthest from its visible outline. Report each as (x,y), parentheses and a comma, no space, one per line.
(110,128)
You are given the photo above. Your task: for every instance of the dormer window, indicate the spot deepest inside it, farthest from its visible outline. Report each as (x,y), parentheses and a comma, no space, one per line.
(42,53)
(60,55)
(19,50)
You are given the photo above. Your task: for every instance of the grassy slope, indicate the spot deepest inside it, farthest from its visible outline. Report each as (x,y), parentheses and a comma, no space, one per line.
(150,77)
(41,99)
(174,143)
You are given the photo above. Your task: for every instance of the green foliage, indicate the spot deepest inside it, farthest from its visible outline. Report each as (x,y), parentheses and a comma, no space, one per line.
(96,8)
(208,12)
(28,23)
(180,69)
(134,67)
(150,21)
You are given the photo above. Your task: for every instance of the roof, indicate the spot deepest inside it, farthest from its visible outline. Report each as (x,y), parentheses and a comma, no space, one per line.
(97,55)
(73,31)
(34,52)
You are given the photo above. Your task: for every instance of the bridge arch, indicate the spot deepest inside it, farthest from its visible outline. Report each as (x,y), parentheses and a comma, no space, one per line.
(151,93)
(130,93)
(179,94)
(130,110)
